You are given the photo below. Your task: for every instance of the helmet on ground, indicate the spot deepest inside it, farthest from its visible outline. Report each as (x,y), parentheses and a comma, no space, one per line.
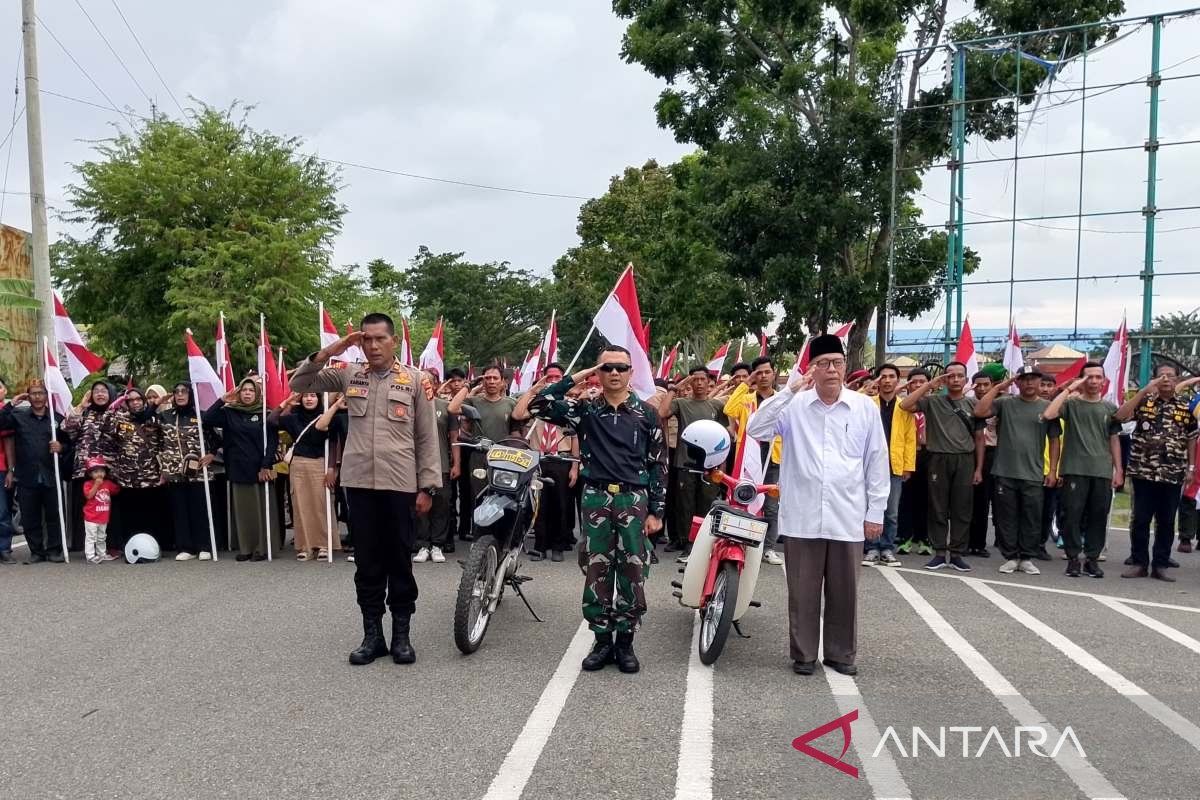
(141,549)
(95,462)
(707,443)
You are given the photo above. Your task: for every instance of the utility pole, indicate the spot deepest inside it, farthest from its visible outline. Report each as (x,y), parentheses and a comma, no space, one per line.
(37,177)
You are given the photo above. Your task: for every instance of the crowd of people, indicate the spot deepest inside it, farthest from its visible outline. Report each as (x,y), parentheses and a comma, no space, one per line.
(1036,462)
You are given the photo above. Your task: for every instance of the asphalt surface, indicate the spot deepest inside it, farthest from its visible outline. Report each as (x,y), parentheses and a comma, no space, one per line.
(226,680)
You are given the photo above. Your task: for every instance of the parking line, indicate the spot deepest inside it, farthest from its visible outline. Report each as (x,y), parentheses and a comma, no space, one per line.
(1171,719)
(1177,636)
(518,765)
(693,775)
(1081,771)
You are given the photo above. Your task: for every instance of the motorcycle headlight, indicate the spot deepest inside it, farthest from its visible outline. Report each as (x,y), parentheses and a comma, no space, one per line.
(504,479)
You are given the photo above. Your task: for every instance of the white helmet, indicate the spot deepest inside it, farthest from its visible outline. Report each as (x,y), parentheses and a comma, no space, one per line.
(141,549)
(707,442)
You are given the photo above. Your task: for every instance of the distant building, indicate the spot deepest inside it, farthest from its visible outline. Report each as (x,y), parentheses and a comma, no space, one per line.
(1054,359)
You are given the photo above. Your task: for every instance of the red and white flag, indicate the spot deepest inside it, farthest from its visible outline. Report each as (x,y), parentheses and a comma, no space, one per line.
(285,383)
(717,363)
(1116,367)
(221,346)
(56,384)
(432,357)
(206,383)
(619,320)
(1013,358)
(81,362)
(843,333)
(762,344)
(667,364)
(518,385)
(550,343)
(748,466)
(965,352)
(268,370)
(406,353)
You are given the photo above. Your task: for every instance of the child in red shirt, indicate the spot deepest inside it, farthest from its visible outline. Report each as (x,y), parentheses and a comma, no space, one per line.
(96,508)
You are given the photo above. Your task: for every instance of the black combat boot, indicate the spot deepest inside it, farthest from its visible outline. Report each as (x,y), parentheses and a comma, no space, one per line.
(626,660)
(602,653)
(373,645)
(402,650)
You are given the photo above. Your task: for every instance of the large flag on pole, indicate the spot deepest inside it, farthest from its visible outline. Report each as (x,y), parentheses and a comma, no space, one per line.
(285,383)
(268,370)
(1072,371)
(965,352)
(667,364)
(717,363)
(406,353)
(56,384)
(81,362)
(432,355)
(517,386)
(550,344)
(619,320)
(1116,367)
(329,335)
(1013,358)
(224,365)
(206,383)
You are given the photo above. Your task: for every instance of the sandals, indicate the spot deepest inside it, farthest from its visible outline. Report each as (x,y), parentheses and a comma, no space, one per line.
(322,554)
(302,556)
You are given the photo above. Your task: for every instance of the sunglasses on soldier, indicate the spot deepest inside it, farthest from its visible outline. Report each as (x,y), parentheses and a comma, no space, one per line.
(614,368)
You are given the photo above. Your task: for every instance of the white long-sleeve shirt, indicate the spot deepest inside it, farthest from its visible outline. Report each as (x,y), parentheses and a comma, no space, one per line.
(834,475)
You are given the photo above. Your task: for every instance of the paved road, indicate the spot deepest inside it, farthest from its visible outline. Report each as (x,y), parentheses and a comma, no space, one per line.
(194,680)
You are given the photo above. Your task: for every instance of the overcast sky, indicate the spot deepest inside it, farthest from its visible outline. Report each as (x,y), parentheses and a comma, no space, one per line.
(533,95)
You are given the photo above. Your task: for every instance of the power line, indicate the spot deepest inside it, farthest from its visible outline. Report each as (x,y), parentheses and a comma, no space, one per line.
(74,61)
(149,60)
(1057,227)
(116,55)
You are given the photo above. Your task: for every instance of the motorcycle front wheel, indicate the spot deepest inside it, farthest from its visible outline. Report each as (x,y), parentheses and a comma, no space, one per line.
(717,616)
(471,614)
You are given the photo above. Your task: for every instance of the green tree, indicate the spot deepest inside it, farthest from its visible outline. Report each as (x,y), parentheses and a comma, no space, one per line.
(793,103)
(191,218)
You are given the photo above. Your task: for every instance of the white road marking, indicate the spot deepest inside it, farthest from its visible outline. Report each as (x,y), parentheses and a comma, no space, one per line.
(693,775)
(518,765)
(1033,587)
(1177,636)
(1081,772)
(1171,719)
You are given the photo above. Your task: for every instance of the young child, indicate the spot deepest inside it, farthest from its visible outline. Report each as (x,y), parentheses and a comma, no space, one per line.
(96,507)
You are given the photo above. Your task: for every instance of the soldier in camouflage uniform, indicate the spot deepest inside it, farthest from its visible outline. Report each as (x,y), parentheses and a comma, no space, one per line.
(134,435)
(624,496)
(1160,463)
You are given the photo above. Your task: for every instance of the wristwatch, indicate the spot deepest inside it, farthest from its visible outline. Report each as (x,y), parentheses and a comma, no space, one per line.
(429,490)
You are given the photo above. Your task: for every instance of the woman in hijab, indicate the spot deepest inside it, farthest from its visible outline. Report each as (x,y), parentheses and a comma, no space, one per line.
(184,468)
(131,440)
(310,480)
(82,425)
(248,464)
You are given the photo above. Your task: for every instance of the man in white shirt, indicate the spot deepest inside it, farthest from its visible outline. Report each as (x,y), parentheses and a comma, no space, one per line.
(834,485)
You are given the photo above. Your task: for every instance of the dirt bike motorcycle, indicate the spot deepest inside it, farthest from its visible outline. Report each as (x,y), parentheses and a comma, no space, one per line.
(722,570)
(505,512)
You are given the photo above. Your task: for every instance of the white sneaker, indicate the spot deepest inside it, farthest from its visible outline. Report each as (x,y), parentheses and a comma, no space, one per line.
(771,557)
(1028,567)
(871,559)
(422,556)
(681,560)
(184,557)
(205,555)
(350,558)
(435,555)
(888,559)
(1009,567)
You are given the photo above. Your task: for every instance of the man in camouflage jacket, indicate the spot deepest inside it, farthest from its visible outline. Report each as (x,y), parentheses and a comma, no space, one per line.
(624,498)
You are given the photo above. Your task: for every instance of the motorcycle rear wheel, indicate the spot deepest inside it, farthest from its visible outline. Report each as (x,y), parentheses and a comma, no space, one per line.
(717,616)
(471,615)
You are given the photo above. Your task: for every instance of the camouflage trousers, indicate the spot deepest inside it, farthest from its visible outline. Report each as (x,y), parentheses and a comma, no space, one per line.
(615,559)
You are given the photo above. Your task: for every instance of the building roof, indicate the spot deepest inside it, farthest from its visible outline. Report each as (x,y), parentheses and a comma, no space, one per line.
(1054,351)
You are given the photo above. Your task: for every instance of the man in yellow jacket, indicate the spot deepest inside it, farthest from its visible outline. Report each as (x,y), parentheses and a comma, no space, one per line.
(900,431)
(741,404)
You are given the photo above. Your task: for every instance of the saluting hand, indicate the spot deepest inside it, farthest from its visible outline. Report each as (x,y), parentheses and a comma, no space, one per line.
(352,339)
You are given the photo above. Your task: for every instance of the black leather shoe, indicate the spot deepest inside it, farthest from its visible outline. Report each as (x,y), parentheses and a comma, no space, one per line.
(1092,569)
(626,660)
(373,645)
(1072,568)
(448,548)
(1172,563)
(242,557)
(1161,575)
(602,653)
(536,555)
(35,558)
(804,667)
(56,558)
(837,666)
(258,557)
(1129,562)
(402,649)
(672,548)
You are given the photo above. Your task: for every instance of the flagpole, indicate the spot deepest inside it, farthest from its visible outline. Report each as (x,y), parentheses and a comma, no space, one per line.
(579,352)
(58,488)
(262,343)
(325,408)
(212,530)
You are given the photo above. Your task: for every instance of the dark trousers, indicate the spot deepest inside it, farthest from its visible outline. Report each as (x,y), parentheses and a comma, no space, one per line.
(693,497)
(982,503)
(190,516)
(383,540)
(433,529)
(816,567)
(1051,508)
(1160,502)
(1085,503)
(771,507)
(554,528)
(459,501)
(39,519)
(914,503)
(950,499)
(1018,513)
(1189,515)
